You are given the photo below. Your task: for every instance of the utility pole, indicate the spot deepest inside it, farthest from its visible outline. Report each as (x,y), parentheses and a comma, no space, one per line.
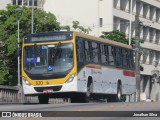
(137,58)
(32,25)
(20,96)
(130,22)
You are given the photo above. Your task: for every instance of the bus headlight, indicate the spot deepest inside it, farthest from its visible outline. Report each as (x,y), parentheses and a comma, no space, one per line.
(25,81)
(71,78)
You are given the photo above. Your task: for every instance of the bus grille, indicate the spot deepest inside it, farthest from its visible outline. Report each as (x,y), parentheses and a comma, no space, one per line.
(54,88)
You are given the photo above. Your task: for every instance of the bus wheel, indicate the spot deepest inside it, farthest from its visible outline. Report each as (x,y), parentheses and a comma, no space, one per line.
(89,91)
(119,92)
(43,99)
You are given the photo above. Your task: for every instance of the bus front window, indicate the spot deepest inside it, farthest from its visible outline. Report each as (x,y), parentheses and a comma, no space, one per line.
(48,59)
(61,57)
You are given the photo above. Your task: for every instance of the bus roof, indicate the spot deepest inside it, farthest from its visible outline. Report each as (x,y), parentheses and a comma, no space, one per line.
(103,40)
(45,33)
(85,36)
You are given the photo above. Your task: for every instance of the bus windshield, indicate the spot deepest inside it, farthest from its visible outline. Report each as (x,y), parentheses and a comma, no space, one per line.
(48,59)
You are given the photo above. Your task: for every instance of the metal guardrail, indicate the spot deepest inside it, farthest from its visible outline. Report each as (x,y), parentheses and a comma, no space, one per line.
(9,94)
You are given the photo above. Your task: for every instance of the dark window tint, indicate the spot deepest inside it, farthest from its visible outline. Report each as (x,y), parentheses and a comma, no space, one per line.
(104,54)
(88,52)
(118,57)
(111,51)
(14,2)
(95,52)
(80,50)
(19,2)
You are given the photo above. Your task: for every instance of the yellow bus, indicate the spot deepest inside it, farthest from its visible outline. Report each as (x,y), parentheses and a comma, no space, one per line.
(76,66)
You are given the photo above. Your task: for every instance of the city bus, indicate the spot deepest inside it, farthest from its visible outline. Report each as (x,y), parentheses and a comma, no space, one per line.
(78,66)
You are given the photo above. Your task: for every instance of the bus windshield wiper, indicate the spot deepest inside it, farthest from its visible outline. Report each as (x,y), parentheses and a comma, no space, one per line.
(55,51)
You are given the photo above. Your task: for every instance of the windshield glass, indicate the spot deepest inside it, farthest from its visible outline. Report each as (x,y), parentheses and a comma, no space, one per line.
(48,59)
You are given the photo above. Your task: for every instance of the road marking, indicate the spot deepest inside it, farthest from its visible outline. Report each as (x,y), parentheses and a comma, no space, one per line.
(110,107)
(28,118)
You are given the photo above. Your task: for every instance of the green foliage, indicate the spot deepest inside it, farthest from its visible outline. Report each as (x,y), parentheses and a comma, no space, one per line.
(115,35)
(118,36)
(77,27)
(43,22)
(3,72)
(67,27)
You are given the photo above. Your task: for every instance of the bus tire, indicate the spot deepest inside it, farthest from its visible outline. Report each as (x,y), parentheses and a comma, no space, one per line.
(119,92)
(89,91)
(43,99)
(111,98)
(77,98)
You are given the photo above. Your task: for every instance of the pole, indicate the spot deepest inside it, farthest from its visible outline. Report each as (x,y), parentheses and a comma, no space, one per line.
(98,19)
(32,25)
(130,28)
(137,59)
(20,91)
(18,58)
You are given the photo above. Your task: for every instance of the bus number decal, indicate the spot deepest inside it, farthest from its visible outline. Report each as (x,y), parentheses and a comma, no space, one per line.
(39,82)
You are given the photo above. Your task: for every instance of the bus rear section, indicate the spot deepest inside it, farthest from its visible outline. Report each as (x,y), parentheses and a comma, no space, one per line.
(105,68)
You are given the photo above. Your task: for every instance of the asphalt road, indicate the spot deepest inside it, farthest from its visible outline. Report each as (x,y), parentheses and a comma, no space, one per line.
(88,111)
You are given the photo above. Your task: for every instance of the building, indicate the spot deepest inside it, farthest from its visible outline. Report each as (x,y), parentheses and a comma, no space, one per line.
(108,15)
(28,3)
(3,3)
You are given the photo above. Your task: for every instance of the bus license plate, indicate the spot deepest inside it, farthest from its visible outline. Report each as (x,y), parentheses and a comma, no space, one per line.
(48,90)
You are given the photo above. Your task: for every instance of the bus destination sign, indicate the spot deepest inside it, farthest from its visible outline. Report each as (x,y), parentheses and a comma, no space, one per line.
(47,37)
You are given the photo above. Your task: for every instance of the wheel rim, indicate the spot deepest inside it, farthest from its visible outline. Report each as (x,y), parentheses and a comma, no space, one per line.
(88,91)
(119,93)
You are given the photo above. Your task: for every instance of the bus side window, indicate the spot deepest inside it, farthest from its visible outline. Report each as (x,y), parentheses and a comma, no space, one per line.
(94,52)
(86,47)
(132,60)
(125,60)
(130,57)
(118,57)
(127,57)
(88,51)
(80,50)
(111,55)
(104,53)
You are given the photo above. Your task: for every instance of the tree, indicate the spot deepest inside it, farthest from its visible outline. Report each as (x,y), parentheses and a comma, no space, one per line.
(118,36)
(67,27)
(43,22)
(77,27)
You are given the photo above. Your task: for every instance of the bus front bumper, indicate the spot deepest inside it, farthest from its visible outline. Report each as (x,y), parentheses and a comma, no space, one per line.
(50,89)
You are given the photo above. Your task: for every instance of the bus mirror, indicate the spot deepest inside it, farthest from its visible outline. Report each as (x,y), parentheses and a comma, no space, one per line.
(141,68)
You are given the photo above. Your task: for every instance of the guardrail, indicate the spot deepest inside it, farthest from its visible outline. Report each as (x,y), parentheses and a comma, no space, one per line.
(9,94)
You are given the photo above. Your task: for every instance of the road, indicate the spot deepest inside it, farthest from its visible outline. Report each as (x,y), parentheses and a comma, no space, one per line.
(89,111)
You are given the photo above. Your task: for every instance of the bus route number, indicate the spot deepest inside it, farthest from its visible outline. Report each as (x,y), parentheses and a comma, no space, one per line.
(39,82)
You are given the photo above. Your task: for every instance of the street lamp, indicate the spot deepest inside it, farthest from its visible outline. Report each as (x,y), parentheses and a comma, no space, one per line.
(18,10)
